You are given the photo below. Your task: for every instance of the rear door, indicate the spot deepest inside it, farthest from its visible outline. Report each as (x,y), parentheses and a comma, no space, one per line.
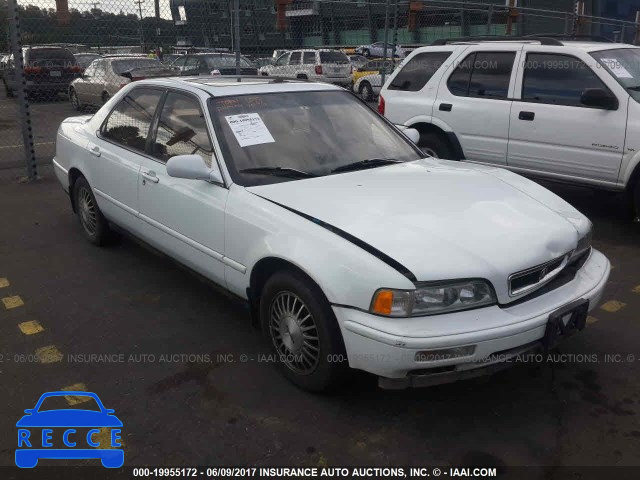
(118,152)
(183,217)
(552,133)
(474,101)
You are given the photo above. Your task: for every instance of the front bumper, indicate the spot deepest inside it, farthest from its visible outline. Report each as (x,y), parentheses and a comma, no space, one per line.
(387,347)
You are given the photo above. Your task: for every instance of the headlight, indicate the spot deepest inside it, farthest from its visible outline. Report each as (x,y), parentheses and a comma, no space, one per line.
(584,243)
(433,298)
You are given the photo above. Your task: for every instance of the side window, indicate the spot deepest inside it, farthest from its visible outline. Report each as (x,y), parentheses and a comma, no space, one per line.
(128,123)
(309,58)
(192,64)
(557,79)
(418,71)
(283,59)
(91,69)
(182,129)
(179,63)
(295,58)
(99,70)
(491,75)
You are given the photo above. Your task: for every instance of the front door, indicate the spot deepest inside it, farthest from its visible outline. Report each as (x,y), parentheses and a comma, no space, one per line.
(184,218)
(552,133)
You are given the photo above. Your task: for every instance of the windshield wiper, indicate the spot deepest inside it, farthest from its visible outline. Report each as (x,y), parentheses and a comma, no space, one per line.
(369,163)
(279,172)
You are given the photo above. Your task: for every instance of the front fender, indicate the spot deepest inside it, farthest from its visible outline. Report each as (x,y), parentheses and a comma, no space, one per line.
(257,228)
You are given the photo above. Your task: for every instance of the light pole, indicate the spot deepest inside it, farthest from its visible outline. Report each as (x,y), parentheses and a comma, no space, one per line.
(95,9)
(140,2)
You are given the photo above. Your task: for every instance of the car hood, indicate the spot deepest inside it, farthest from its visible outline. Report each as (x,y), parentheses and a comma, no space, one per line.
(441,219)
(69,418)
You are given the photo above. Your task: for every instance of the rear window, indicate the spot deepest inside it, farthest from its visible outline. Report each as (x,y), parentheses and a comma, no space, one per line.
(121,66)
(43,54)
(418,71)
(333,57)
(225,61)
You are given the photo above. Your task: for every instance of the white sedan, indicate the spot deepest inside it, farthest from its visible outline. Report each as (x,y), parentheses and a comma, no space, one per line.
(369,86)
(351,249)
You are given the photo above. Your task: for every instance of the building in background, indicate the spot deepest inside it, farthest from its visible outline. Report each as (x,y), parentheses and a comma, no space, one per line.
(209,23)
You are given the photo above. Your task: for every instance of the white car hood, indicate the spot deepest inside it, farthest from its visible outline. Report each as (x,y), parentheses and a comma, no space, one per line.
(440,219)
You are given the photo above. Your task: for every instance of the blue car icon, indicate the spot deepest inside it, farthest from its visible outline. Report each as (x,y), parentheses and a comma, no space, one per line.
(31,448)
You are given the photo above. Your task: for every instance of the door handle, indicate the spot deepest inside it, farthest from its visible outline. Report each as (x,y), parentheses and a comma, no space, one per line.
(95,150)
(151,176)
(446,107)
(527,116)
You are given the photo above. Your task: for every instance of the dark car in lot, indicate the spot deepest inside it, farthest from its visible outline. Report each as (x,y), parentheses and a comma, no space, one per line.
(213,64)
(47,71)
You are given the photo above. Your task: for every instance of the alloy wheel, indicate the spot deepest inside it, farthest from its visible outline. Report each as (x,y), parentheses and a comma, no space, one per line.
(294,333)
(87,210)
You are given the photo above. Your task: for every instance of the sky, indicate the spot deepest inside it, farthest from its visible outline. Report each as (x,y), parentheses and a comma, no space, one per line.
(115,6)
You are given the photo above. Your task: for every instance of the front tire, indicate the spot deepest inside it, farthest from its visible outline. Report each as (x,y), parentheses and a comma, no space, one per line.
(8,91)
(94,226)
(303,332)
(105,97)
(435,146)
(636,200)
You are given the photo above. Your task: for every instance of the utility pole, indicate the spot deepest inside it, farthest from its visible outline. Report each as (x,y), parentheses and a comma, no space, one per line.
(140,2)
(236,34)
(95,7)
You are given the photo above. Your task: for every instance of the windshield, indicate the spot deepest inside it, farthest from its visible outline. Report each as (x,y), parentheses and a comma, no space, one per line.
(313,132)
(121,66)
(624,65)
(225,61)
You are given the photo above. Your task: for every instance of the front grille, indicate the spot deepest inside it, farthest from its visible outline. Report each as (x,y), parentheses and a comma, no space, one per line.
(565,276)
(521,282)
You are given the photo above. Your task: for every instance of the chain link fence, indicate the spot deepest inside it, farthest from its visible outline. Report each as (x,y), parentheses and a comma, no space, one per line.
(65,57)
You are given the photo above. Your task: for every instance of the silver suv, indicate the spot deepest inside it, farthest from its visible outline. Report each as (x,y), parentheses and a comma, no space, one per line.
(331,66)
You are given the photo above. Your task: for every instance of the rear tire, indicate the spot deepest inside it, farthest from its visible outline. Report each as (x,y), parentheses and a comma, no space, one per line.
(8,91)
(366,53)
(434,145)
(303,332)
(94,226)
(636,200)
(75,101)
(366,92)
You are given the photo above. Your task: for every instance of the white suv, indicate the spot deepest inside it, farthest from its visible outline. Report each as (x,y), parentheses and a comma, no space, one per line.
(330,66)
(561,110)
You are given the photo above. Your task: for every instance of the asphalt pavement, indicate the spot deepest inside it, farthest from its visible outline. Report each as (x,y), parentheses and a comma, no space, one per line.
(180,363)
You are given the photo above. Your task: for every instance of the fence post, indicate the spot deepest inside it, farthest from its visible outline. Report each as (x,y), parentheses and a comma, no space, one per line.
(236,34)
(512,15)
(489,19)
(636,41)
(386,37)
(25,116)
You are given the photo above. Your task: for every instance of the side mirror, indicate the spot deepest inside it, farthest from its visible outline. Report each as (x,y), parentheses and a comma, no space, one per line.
(29,411)
(599,98)
(109,411)
(412,134)
(192,167)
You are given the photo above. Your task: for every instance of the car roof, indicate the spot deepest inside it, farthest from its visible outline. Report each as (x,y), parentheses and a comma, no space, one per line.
(586,45)
(224,86)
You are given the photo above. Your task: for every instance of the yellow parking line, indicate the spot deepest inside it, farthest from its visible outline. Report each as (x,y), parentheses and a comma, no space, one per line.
(591,320)
(12,302)
(636,289)
(612,306)
(73,399)
(31,327)
(4,282)
(48,354)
